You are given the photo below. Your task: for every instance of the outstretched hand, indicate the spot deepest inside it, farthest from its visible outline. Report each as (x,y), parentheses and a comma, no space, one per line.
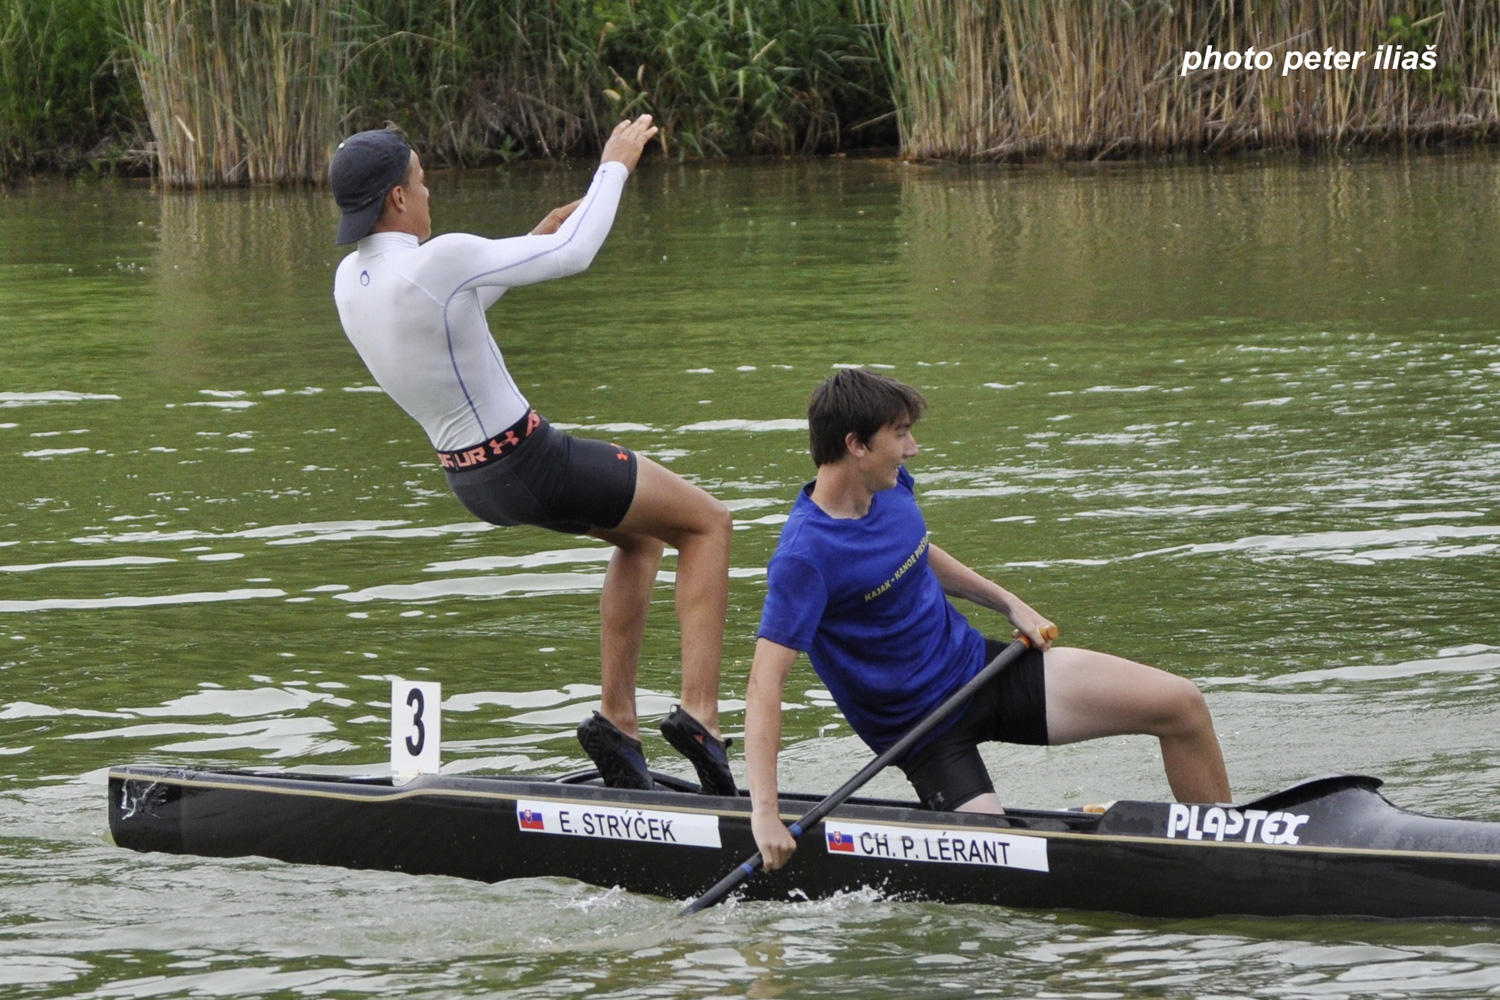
(555,218)
(625,143)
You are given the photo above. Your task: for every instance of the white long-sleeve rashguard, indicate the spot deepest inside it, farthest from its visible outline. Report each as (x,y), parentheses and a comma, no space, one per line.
(416,312)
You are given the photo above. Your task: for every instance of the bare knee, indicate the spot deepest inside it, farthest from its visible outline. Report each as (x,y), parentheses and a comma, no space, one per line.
(644,547)
(1184,710)
(648,548)
(712,523)
(720,523)
(633,545)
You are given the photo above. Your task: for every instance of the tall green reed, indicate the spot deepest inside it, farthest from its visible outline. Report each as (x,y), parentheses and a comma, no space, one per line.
(239,91)
(984,79)
(472,80)
(257,91)
(62,101)
(747,77)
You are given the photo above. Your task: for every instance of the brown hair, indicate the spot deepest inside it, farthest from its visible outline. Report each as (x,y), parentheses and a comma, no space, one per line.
(857,401)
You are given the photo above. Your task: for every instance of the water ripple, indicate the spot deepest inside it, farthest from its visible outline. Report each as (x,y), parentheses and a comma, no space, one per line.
(748,426)
(52,396)
(88,563)
(96,603)
(519,584)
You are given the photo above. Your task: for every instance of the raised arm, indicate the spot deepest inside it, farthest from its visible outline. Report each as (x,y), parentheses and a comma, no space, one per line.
(958,580)
(624,146)
(768,673)
(566,241)
(526,260)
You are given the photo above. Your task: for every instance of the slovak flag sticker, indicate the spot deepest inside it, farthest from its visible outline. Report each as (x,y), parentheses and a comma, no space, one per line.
(531,819)
(838,840)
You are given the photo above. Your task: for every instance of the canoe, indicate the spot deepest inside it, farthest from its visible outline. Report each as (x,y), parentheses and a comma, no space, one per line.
(1327,846)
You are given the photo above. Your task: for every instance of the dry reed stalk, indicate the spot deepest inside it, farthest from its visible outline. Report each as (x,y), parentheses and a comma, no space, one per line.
(239,91)
(983,79)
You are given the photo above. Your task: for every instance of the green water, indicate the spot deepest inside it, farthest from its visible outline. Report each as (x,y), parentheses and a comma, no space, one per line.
(1242,421)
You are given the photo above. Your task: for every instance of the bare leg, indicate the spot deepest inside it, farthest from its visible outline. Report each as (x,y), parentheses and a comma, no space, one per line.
(622,619)
(988,803)
(1091,694)
(669,508)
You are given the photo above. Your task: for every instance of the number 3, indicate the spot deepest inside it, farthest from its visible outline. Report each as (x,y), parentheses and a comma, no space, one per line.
(416,726)
(417,703)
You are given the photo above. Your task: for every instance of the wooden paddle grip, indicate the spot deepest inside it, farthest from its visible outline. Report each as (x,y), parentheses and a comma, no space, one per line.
(1049,632)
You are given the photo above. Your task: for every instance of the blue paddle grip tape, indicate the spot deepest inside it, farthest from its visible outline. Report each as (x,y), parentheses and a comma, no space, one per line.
(745,867)
(796,831)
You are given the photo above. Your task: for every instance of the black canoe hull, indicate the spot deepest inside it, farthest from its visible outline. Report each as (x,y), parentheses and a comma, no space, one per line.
(1326,847)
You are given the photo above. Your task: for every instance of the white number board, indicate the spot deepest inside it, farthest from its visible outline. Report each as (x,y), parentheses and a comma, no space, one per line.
(416,726)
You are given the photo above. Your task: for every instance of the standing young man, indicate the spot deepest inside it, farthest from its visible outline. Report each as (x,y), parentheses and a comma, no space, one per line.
(414,308)
(856,585)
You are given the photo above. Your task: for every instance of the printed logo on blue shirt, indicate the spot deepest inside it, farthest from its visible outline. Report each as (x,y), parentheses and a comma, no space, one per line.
(904,568)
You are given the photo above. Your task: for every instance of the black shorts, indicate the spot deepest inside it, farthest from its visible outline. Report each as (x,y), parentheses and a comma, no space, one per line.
(1012,708)
(551,480)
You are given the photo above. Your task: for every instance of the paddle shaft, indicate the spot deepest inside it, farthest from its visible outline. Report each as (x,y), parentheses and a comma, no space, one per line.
(750,865)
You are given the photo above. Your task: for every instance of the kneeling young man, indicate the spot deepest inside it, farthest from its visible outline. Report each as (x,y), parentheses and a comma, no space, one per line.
(856,585)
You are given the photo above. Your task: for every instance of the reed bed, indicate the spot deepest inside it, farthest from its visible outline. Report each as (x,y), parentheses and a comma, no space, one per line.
(239,91)
(62,103)
(998,79)
(473,80)
(792,76)
(258,91)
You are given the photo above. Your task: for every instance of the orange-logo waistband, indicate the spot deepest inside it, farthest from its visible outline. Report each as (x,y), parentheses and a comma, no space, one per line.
(495,448)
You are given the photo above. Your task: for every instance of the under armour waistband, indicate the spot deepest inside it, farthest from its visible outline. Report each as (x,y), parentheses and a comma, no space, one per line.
(495,448)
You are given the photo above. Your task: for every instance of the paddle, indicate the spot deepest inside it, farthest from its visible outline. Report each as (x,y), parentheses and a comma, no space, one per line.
(748,867)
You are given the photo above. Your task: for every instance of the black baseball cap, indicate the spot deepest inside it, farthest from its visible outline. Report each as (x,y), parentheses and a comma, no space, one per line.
(363,170)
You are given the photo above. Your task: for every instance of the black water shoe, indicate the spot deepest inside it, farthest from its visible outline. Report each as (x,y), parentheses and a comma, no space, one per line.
(620,759)
(709,756)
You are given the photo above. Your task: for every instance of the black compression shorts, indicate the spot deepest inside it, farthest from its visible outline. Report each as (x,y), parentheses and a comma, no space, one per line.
(1012,708)
(551,480)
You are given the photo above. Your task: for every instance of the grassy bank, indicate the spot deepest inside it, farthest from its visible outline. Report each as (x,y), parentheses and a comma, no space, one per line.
(206,92)
(1014,79)
(722,77)
(66,102)
(239,92)
(258,91)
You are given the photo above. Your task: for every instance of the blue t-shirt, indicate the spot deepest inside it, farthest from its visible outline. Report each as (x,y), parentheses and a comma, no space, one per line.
(858,596)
